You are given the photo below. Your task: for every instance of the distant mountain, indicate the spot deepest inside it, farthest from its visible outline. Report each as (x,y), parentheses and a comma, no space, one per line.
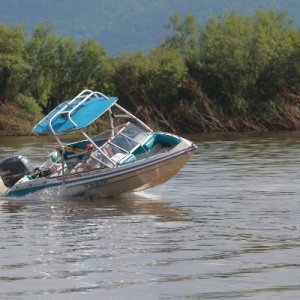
(126,25)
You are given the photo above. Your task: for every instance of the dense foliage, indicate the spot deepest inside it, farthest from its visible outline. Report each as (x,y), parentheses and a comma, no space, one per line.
(232,73)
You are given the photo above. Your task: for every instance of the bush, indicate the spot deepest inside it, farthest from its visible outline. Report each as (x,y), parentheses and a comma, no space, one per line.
(28,104)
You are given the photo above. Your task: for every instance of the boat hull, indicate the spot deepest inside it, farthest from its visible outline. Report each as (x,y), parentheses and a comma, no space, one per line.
(140,178)
(133,177)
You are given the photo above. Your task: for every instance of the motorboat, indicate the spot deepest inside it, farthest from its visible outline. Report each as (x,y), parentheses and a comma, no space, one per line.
(128,157)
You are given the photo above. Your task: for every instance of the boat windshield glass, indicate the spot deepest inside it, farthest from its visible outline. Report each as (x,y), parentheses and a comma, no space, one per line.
(127,138)
(134,132)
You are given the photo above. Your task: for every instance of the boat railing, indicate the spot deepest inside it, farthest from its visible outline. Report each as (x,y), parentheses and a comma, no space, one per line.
(85,98)
(118,147)
(132,117)
(139,143)
(85,95)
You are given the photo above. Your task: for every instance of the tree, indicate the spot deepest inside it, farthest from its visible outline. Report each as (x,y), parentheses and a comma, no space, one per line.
(151,83)
(183,34)
(272,43)
(40,53)
(60,67)
(61,73)
(88,67)
(241,60)
(13,68)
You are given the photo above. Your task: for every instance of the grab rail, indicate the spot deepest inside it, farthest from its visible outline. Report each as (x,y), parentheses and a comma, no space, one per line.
(68,103)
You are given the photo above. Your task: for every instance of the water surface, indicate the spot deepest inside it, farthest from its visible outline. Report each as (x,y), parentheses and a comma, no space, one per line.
(225,227)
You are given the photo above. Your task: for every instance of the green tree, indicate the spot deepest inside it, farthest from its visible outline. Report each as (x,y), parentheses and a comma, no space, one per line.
(60,67)
(241,60)
(61,73)
(183,35)
(272,44)
(40,54)
(292,66)
(151,83)
(13,68)
(88,70)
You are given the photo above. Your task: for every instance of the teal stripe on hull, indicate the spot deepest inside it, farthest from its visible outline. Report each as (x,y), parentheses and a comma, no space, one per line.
(25,192)
(83,181)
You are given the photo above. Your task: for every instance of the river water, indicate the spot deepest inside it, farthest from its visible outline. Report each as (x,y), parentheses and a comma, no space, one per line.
(226,227)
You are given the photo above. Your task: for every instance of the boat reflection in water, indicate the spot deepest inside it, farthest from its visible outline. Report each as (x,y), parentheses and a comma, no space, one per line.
(133,205)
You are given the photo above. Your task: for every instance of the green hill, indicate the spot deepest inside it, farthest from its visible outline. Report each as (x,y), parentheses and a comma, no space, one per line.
(125,25)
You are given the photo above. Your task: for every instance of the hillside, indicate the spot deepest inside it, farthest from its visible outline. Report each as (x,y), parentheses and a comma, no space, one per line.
(125,25)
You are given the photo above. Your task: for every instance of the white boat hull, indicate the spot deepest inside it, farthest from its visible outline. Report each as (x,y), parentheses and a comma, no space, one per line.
(139,178)
(134,177)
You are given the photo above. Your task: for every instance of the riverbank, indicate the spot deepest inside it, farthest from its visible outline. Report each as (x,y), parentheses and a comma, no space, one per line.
(16,122)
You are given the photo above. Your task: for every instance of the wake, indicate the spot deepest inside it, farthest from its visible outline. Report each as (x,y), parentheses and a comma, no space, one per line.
(50,195)
(2,188)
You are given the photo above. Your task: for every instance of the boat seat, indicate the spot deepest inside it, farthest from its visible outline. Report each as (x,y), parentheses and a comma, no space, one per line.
(162,139)
(155,149)
(129,159)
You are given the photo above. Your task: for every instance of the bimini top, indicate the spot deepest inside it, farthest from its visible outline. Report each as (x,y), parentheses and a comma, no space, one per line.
(75,114)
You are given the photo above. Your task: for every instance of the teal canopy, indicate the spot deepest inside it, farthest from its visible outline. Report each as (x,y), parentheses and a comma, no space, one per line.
(73,115)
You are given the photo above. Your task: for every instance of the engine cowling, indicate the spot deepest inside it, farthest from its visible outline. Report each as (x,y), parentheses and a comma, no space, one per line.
(14,168)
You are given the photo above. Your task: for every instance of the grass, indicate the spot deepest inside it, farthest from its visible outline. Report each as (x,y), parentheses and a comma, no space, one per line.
(15,122)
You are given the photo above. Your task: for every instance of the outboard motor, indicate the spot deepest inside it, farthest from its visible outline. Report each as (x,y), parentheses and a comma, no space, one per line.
(14,168)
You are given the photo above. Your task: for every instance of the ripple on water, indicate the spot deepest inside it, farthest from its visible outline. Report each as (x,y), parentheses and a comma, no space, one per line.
(227,226)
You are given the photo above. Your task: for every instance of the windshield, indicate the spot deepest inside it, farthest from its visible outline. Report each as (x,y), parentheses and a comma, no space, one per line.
(128,137)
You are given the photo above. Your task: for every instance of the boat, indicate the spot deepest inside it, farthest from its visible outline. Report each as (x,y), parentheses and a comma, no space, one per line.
(127,157)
